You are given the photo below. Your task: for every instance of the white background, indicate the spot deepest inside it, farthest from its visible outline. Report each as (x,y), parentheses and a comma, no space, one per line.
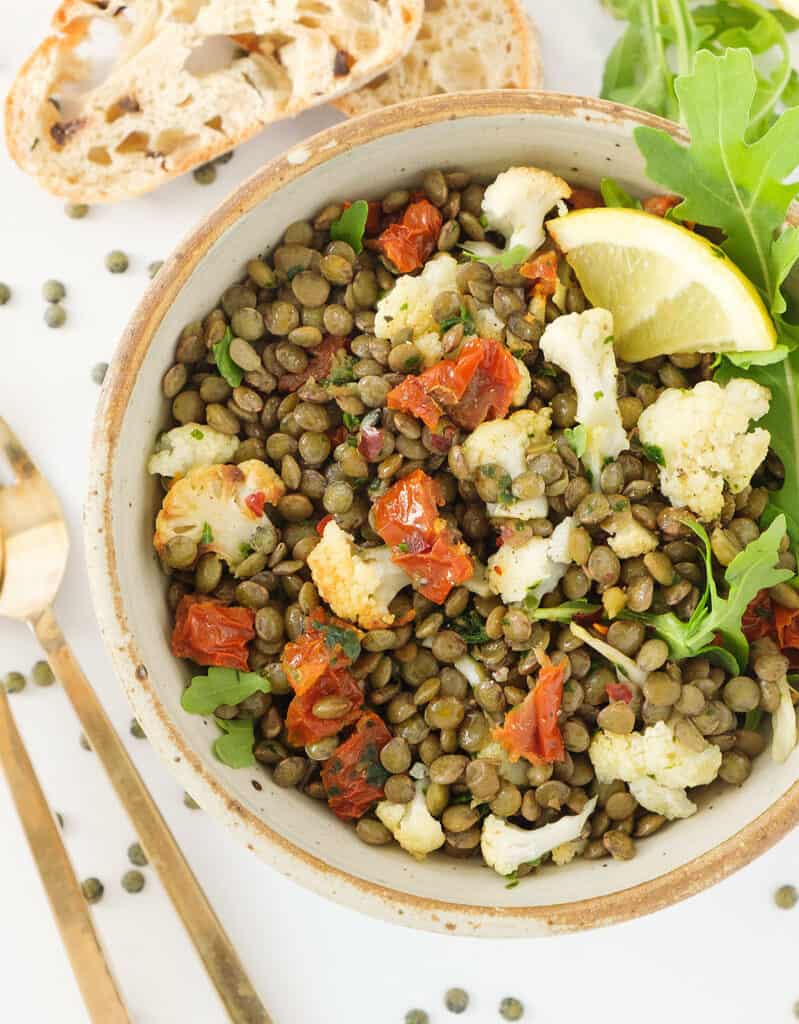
(727,955)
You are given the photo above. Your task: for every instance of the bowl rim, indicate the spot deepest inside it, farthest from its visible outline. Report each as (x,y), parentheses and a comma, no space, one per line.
(378,900)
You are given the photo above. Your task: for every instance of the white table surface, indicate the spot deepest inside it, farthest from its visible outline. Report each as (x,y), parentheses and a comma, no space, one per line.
(726,955)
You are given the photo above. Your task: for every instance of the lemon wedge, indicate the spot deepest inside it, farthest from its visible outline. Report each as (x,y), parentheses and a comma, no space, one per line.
(669,289)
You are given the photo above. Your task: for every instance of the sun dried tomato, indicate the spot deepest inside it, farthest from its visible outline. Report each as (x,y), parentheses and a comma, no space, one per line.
(318,365)
(406,517)
(318,650)
(585,199)
(758,619)
(353,776)
(542,272)
(660,205)
(478,385)
(212,634)
(409,241)
(531,728)
(302,724)
(786,624)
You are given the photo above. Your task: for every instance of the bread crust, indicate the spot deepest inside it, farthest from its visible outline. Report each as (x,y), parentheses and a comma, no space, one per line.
(152,118)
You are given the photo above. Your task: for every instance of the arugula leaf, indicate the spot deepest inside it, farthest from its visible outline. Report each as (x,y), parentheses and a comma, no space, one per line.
(751,571)
(230,370)
(464,317)
(351,225)
(221,686)
(727,182)
(564,612)
(663,37)
(471,627)
(339,636)
(614,195)
(507,259)
(234,748)
(577,439)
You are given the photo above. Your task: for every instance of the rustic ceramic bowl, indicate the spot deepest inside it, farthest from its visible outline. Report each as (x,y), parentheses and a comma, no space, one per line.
(580,139)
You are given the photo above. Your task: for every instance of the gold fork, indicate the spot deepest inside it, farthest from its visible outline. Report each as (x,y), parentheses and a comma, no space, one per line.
(33,554)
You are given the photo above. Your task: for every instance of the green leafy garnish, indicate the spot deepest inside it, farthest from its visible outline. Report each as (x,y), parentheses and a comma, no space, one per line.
(234,748)
(351,225)
(752,720)
(352,423)
(471,627)
(664,37)
(341,372)
(654,453)
(577,439)
(231,371)
(739,187)
(751,571)
(221,686)
(339,636)
(614,195)
(207,536)
(462,318)
(403,548)
(564,612)
(198,435)
(292,272)
(507,259)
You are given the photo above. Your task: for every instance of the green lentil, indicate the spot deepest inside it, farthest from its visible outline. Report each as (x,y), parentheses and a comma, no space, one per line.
(154,267)
(93,890)
(511,1008)
(786,897)
(53,291)
(205,174)
(136,855)
(99,370)
(55,315)
(136,730)
(190,802)
(76,211)
(456,1000)
(42,674)
(5,293)
(117,261)
(14,682)
(133,881)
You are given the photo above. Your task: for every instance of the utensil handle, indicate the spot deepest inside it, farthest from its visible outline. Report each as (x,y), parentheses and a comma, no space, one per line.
(98,988)
(213,945)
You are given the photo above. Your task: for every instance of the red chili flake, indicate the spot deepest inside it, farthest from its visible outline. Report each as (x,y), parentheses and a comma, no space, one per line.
(320,526)
(619,691)
(255,503)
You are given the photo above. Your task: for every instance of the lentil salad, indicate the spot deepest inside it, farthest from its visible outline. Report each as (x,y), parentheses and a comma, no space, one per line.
(430,588)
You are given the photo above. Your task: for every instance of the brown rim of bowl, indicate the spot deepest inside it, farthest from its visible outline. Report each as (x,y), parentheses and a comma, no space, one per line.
(699,873)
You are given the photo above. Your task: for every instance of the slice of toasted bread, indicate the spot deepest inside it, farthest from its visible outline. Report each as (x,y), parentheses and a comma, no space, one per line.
(192,79)
(462,45)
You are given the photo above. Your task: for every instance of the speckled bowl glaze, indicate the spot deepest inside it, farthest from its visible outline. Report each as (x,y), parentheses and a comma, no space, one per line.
(580,139)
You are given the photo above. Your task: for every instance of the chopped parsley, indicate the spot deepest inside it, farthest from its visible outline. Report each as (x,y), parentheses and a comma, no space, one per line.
(403,307)
(198,435)
(654,453)
(471,627)
(462,318)
(207,536)
(352,423)
(341,372)
(292,272)
(339,636)
(598,395)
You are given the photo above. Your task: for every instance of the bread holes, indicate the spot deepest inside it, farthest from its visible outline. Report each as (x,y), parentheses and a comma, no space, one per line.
(99,155)
(134,142)
(124,105)
(215,53)
(170,139)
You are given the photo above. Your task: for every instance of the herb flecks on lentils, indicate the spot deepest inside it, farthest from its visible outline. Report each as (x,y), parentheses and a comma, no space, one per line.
(399,681)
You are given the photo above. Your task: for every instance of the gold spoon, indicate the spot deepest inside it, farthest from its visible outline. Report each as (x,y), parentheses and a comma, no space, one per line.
(33,555)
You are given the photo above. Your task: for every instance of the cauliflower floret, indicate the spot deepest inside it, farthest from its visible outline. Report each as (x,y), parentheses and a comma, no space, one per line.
(409,304)
(672,803)
(504,443)
(209,506)
(566,852)
(582,344)
(629,538)
(505,847)
(182,448)
(357,583)
(658,756)
(515,205)
(538,565)
(702,436)
(783,725)
(523,388)
(412,825)
(478,584)
(488,324)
